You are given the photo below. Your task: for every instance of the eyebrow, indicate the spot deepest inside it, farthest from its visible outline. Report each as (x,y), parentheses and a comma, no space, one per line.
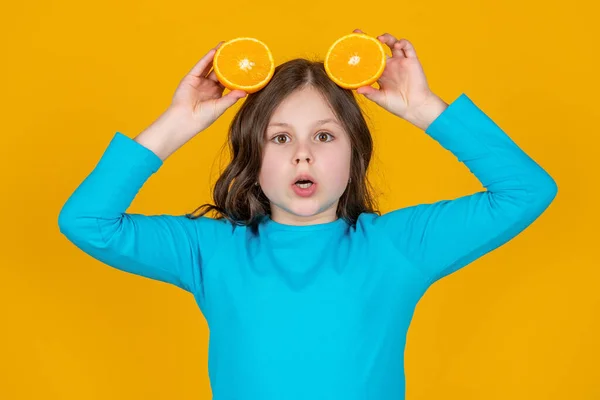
(319,122)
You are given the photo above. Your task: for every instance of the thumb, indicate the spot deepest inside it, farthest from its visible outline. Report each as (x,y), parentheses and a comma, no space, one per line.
(228,100)
(371,93)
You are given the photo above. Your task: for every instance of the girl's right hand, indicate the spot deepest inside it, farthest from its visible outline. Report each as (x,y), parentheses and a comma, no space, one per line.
(199,95)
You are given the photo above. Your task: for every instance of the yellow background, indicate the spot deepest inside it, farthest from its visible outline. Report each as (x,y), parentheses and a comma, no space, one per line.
(520,323)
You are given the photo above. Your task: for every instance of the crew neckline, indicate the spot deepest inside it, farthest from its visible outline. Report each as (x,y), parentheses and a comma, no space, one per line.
(271,225)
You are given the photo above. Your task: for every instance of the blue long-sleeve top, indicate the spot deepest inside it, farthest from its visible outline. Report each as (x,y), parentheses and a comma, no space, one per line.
(319,311)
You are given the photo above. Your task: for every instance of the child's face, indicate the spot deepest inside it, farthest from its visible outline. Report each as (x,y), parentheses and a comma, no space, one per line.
(304,146)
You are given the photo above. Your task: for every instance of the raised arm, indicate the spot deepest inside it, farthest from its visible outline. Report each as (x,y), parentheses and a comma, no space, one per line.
(167,248)
(446,235)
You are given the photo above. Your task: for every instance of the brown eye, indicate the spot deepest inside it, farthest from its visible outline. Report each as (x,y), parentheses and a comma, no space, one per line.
(280,136)
(324,134)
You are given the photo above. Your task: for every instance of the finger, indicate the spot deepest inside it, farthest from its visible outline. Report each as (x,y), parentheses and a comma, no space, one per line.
(208,68)
(213,77)
(375,95)
(200,70)
(407,47)
(389,40)
(222,104)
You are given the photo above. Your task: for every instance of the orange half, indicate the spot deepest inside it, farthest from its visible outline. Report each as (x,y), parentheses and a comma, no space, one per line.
(244,64)
(355,60)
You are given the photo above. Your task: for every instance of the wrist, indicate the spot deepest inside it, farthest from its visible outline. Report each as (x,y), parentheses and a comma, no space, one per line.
(167,133)
(427,112)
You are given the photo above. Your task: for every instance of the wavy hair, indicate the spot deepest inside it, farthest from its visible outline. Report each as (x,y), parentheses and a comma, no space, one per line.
(236,197)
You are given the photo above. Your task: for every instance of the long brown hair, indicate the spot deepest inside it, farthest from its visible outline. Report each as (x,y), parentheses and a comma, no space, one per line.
(237,198)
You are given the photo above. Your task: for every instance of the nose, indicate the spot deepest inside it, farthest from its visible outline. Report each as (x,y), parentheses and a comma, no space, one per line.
(303,152)
(306,158)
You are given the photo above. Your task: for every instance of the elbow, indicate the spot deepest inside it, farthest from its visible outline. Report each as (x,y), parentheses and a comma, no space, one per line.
(551,189)
(72,221)
(82,226)
(66,221)
(543,191)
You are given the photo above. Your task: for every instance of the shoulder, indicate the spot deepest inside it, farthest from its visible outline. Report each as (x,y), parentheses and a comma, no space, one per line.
(210,226)
(374,222)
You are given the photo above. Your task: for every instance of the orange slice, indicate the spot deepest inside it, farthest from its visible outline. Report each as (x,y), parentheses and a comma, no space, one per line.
(244,64)
(355,60)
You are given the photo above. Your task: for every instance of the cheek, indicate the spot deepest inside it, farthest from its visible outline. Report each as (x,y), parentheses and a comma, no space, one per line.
(270,170)
(336,165)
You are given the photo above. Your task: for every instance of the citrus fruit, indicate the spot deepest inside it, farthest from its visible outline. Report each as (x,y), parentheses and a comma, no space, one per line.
(244,64)
(355,60)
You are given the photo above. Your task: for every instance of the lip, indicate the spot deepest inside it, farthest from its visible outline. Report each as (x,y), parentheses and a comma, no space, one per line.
(304,192)
(304,176)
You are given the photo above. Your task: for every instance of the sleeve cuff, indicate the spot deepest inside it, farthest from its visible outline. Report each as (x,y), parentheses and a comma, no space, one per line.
(454,111)
(126,152)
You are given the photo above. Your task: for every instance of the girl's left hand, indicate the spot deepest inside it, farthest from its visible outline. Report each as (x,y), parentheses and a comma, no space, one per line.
(403,87)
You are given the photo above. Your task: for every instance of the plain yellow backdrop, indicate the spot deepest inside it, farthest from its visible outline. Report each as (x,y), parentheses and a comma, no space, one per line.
(522,322)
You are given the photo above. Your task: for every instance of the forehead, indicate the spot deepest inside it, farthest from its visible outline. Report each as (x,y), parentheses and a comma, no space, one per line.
(305,107)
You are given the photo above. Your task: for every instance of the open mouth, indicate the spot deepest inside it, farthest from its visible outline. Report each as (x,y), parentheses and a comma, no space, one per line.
(304,184)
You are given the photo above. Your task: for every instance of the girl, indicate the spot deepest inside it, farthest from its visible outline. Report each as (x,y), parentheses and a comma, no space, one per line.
(307,290)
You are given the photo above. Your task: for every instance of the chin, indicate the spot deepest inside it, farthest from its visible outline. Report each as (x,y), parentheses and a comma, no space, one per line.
(307,210)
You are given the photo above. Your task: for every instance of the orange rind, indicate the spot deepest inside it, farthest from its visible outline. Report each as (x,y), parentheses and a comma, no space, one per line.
(244,63)
(355,60)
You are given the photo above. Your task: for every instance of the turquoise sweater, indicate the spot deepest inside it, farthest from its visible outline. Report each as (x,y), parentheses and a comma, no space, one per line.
(320,311)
